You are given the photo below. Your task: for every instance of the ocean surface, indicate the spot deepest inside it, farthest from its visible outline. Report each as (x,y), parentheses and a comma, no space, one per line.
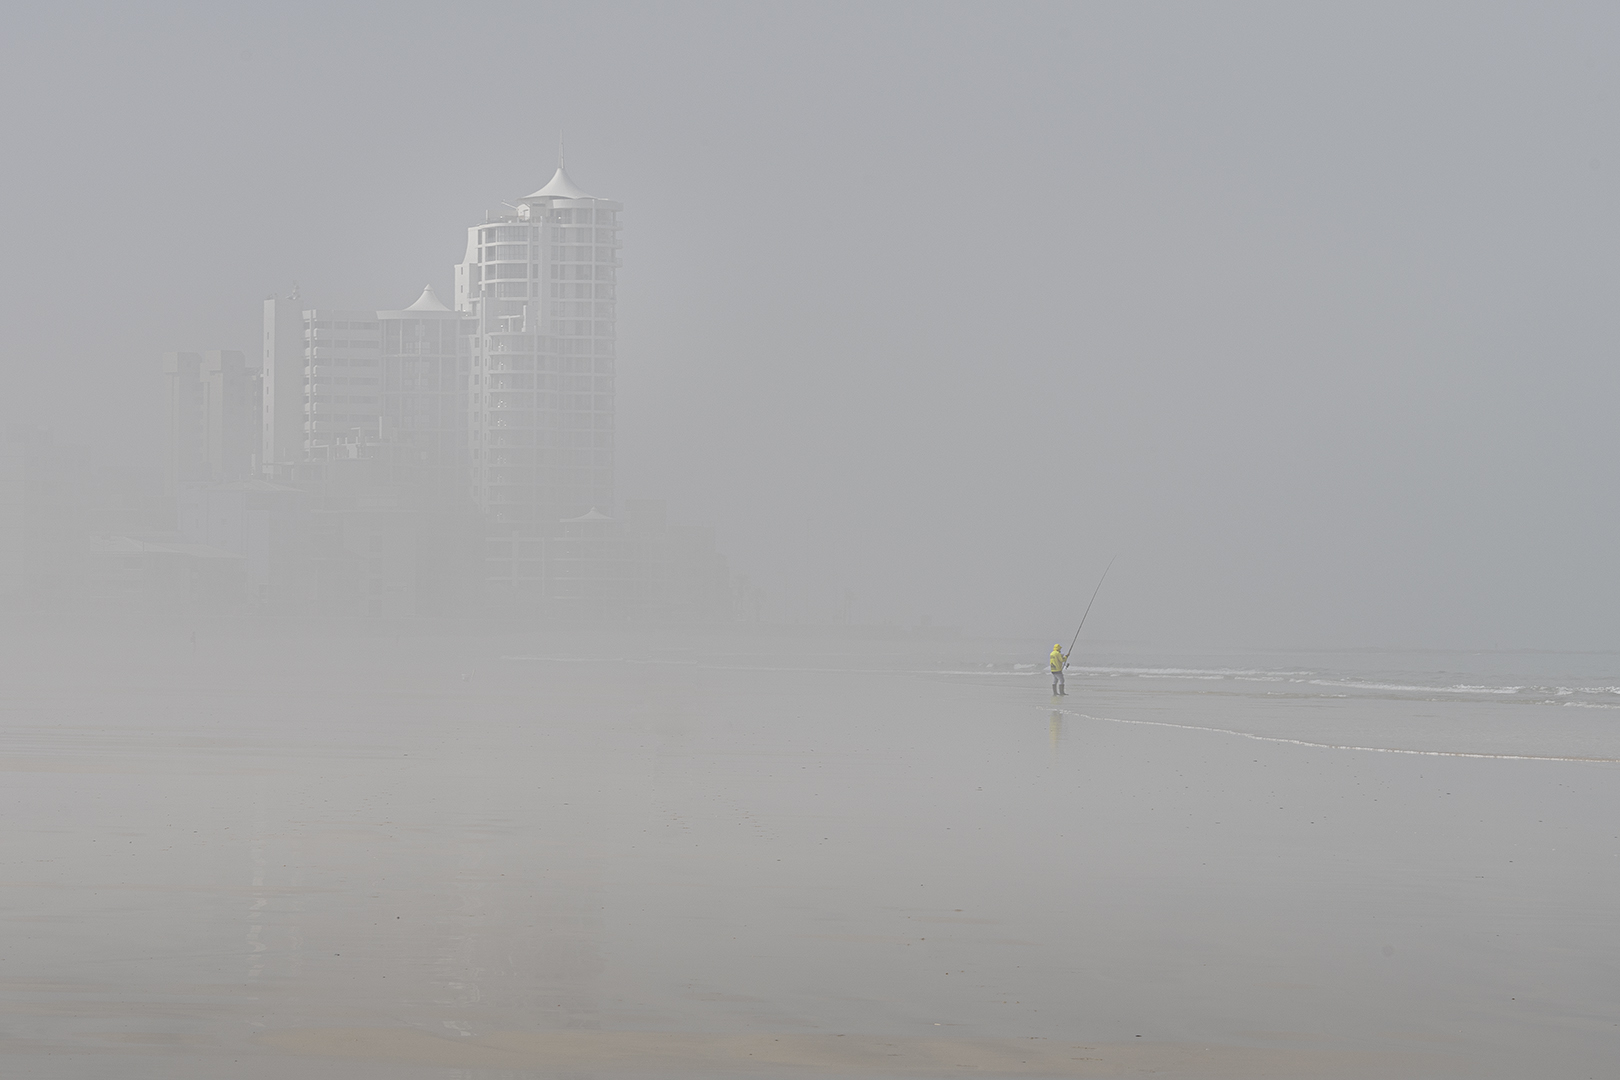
(410,851)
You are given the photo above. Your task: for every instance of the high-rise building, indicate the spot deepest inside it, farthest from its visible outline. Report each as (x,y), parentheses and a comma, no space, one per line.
(342,376)
(186,424)
(425,352)
(322,379)
(282,445)
(400,377)
(541,283)
(213,407)
(384,428)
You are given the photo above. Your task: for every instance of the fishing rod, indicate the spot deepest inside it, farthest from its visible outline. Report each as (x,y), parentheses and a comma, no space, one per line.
(1093,600)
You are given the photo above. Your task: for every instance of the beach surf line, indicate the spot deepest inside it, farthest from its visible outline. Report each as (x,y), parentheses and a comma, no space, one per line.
(1339,746)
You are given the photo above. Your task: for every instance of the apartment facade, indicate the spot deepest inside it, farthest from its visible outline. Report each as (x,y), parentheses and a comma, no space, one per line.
(541,285)
(342,377)
(322,379)
(425,356)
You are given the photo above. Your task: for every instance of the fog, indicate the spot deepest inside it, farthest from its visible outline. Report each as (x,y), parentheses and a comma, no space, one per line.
(930,308)
(530,536)
(360,852)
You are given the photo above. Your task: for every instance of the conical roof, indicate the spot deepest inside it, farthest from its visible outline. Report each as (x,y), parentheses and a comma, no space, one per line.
(560,187)
(428,301)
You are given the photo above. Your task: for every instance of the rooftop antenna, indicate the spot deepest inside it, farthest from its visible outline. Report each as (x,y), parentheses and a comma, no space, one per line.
(559,150)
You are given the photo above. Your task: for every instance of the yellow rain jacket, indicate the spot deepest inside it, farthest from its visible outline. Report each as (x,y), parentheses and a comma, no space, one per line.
(1058,658)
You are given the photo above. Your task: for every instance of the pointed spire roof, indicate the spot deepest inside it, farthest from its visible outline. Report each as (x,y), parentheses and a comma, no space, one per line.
(428,301)
(560,187)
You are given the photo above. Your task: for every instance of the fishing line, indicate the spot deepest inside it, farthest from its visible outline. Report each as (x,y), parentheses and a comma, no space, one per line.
(1093,600)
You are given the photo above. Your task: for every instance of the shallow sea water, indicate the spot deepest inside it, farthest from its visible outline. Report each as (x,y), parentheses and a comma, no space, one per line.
(298,851)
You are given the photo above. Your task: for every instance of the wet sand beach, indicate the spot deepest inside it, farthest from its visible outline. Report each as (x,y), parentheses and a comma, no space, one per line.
(419,854)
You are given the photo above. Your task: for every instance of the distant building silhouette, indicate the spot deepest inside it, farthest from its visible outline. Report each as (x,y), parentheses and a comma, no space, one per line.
(284,383)
(425,352)
(430,459)
(542,284)
(213,403)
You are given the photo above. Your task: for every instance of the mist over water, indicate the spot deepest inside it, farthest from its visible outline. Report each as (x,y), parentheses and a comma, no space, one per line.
(530,538)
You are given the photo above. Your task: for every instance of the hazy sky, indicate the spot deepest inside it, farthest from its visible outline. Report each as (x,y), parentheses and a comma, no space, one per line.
(1308,313)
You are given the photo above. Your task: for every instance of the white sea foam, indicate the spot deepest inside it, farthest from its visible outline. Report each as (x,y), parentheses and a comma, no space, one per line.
(1527,694)
(1342,746)
(980,672)
(1189,672)
(1405,688)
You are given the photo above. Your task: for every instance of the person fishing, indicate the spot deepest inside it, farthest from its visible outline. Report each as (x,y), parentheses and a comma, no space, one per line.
(1059,658)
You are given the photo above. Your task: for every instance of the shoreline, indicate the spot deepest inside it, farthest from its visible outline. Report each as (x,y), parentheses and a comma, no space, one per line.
(225,860)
